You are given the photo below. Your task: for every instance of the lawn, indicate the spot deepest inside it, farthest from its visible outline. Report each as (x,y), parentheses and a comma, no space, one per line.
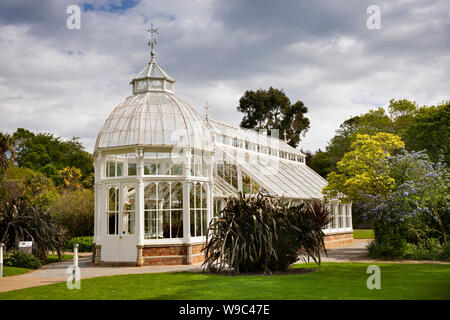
(13,271)
(331,281)
(363,234)
(54,257)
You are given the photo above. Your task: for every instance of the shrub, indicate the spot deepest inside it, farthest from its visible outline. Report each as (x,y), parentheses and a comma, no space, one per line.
(19,259)
(21,222)
(446,252)
(74,210)
(84,244)
(413,221)
(262,234)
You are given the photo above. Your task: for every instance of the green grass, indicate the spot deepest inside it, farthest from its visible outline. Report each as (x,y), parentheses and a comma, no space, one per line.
(13,271)
(54,257)
(363,234)
(331,281)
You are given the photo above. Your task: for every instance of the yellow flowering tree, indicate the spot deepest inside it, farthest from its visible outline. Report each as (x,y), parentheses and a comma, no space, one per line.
(360,171)
(71,177)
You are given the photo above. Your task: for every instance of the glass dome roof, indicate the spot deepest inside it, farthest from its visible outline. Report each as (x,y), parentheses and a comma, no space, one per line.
(154,118)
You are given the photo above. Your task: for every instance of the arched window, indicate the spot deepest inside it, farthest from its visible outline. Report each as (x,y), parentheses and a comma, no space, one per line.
(128,210)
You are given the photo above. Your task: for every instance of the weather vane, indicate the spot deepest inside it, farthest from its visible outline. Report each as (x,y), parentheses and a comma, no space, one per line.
(152,42)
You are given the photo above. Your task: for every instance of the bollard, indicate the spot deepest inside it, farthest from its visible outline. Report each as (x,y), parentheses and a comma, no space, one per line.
(75,255)
(1,260)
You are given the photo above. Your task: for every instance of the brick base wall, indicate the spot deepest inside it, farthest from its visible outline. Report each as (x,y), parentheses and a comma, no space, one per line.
(337,239)
(177,254)
(171,254)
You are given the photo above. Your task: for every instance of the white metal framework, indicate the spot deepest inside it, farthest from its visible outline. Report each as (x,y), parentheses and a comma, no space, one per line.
(162,173)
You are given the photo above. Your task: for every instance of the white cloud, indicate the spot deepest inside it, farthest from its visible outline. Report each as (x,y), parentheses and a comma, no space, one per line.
(67,81)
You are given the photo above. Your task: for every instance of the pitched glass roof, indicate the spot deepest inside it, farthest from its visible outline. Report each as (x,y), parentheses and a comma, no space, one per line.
(280,177)
(222,129)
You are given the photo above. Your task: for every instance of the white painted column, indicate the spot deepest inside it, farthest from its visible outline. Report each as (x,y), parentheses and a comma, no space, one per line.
(1,260)
(186,200)
(336,213)
(139,208)
(351,218)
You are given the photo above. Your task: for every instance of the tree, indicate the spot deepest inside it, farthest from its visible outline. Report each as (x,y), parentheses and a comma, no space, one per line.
(45,152)
(272,109)
(430,131)
(360,170)
(321,163)
(7,153)
(71,177)
(402,113)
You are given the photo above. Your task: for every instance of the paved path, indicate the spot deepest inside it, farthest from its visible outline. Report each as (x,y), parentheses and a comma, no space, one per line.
(357,252)
(57,272)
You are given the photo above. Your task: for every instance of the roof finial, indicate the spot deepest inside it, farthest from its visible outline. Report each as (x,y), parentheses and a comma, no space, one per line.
(207,110)
(152,42)
(285,134)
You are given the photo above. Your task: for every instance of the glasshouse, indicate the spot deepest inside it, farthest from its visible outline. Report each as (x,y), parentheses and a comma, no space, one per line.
(162,173)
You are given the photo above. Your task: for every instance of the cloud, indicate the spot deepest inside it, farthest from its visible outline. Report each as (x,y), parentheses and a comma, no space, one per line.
(67,81)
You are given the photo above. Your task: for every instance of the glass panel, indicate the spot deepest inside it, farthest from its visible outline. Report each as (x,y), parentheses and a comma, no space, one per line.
(132,169)
(163,195)
(177,224)
(110,169)
(164,161)
(112,199)
(166,224)
(204,196)
(193,223)
(176,196)
(129,201)
(119,169)
(112,223)
(204,222)
(150,196)
(198,229)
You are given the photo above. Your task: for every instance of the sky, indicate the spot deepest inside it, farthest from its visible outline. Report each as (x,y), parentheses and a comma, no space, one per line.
(67,81)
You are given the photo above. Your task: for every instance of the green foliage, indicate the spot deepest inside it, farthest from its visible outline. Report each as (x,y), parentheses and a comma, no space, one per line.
(272,109)
(360,170)
(446,252)
(433,250)
(15,258)
(74,210)
(32,186)
(20,222)
(430,131)
(261,234)
(7,152)
(402,115)
(44,152)
(413,221)
(84,244)
(321,163)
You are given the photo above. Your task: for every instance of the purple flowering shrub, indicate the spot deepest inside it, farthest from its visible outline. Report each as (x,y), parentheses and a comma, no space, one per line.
(415,217)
